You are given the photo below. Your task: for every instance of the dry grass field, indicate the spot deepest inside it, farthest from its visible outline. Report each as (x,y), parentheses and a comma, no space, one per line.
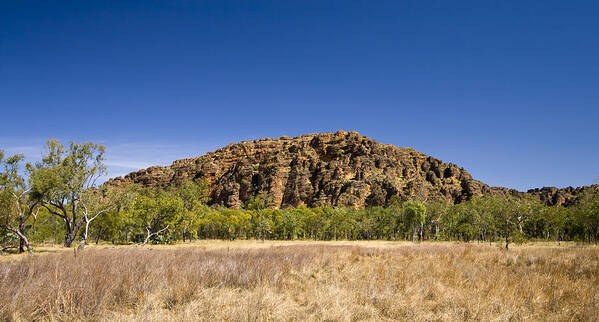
(303,281)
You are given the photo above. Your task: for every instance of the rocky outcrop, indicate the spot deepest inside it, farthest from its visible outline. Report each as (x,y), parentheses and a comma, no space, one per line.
(332,169)
(563,196)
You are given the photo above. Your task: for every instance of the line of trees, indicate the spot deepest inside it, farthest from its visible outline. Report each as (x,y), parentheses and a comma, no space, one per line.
(57,200)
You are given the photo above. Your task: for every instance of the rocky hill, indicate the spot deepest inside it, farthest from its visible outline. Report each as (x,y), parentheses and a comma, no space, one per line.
(336,169)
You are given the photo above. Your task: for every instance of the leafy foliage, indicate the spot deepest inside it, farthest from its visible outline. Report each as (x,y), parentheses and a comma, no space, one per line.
(62,189)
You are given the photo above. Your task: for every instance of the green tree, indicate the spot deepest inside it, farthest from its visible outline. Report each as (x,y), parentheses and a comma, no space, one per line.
(262,222)
(93,203)
(586,214)
(193,194)
(487,209)
(592,220)
(61,180)
(342,223)
(415,216)
(257,202)
(512,214)
(436,210)
(210,222)
(557,218)
(288,224)
(16,206)
(119,223)
(155,214)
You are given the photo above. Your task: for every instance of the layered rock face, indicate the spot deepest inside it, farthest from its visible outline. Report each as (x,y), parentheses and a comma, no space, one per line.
(325,169)
(563,196)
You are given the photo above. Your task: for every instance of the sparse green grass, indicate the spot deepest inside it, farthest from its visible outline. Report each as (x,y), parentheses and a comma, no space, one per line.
(298,281)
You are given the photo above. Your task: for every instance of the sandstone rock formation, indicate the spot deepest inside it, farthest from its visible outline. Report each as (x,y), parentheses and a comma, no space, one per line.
(562,196)
(335,169)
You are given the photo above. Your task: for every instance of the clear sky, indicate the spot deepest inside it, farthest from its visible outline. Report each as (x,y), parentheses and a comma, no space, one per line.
(507,89)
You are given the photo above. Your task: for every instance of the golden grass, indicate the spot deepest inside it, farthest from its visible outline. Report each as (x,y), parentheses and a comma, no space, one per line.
(298,281)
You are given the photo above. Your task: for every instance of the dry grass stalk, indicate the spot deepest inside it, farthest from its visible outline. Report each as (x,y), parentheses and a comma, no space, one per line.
(428,282)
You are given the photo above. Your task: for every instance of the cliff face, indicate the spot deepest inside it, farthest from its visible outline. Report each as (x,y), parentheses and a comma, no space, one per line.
(335,169)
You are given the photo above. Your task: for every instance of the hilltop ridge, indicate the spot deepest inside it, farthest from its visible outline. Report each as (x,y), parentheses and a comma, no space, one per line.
(326,169)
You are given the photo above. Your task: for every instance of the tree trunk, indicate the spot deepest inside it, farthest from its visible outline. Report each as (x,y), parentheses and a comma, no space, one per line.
(23,241)
(21,245)
(81,245)
(150,234)
(146,240)
(72,230)
(69,238)
(413,234)
(24,245)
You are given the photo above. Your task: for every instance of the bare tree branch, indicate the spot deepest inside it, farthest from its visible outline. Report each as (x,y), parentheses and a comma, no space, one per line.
(88,220)
(150,235)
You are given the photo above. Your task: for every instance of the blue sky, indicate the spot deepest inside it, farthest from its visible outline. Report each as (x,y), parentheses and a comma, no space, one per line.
(507,89)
